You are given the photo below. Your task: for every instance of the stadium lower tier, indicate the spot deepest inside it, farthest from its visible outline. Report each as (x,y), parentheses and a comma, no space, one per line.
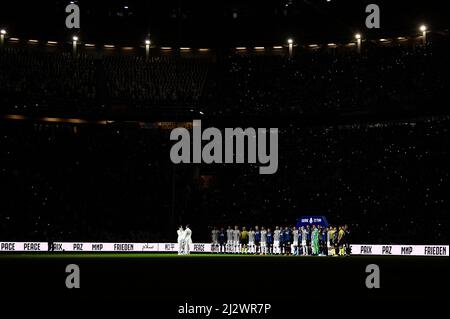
(388,181)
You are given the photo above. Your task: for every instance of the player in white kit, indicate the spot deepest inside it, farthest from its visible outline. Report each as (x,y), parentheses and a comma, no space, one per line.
(180,240)
(276,241)
(295,241)
(304,243)
(263,241)
(251,241)
(187,240)
(215,240)
(229,246)
(236,238)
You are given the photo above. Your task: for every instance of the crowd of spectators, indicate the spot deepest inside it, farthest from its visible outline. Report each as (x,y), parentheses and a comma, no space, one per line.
(382,79)
(387,180)
(155,81)
(32,80)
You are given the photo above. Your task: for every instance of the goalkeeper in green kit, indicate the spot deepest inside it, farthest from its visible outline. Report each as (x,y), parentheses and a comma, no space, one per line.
(315,240)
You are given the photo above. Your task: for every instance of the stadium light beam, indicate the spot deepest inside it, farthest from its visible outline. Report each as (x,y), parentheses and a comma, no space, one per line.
(147,48)
(290,42)
(2,37)
(423,29)
(74,45)
(358,42)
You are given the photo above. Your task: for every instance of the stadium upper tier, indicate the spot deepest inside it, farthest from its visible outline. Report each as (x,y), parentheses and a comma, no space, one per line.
(386,76)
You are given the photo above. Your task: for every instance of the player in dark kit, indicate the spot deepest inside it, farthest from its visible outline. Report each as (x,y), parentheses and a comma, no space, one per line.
(269,241)
(300,241)
(308,239)
(222,240)
(336,242)
(244,240)
(323,232)
(257,240)
(287,240)
(346,240)
(282,245)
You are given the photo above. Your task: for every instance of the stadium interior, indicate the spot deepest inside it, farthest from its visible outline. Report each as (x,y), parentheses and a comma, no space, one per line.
(85,119)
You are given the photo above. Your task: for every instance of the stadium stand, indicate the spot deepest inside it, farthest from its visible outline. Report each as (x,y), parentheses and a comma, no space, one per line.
(387,180)
(394,78)
(73,182)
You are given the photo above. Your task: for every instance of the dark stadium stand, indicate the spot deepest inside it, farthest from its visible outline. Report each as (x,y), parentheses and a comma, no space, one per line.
(387,180)
(384,79)
(385,176)
(158,81)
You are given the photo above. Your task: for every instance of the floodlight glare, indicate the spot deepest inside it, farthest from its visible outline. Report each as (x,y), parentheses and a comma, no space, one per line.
(3,31)
(358,36)
(75,38)
(423,28)
(147,41)
(290,41)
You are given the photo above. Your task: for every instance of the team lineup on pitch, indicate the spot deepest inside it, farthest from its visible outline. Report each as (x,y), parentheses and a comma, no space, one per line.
(303,240)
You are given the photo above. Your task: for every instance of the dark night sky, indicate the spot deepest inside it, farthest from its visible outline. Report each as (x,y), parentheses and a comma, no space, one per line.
(208,22)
